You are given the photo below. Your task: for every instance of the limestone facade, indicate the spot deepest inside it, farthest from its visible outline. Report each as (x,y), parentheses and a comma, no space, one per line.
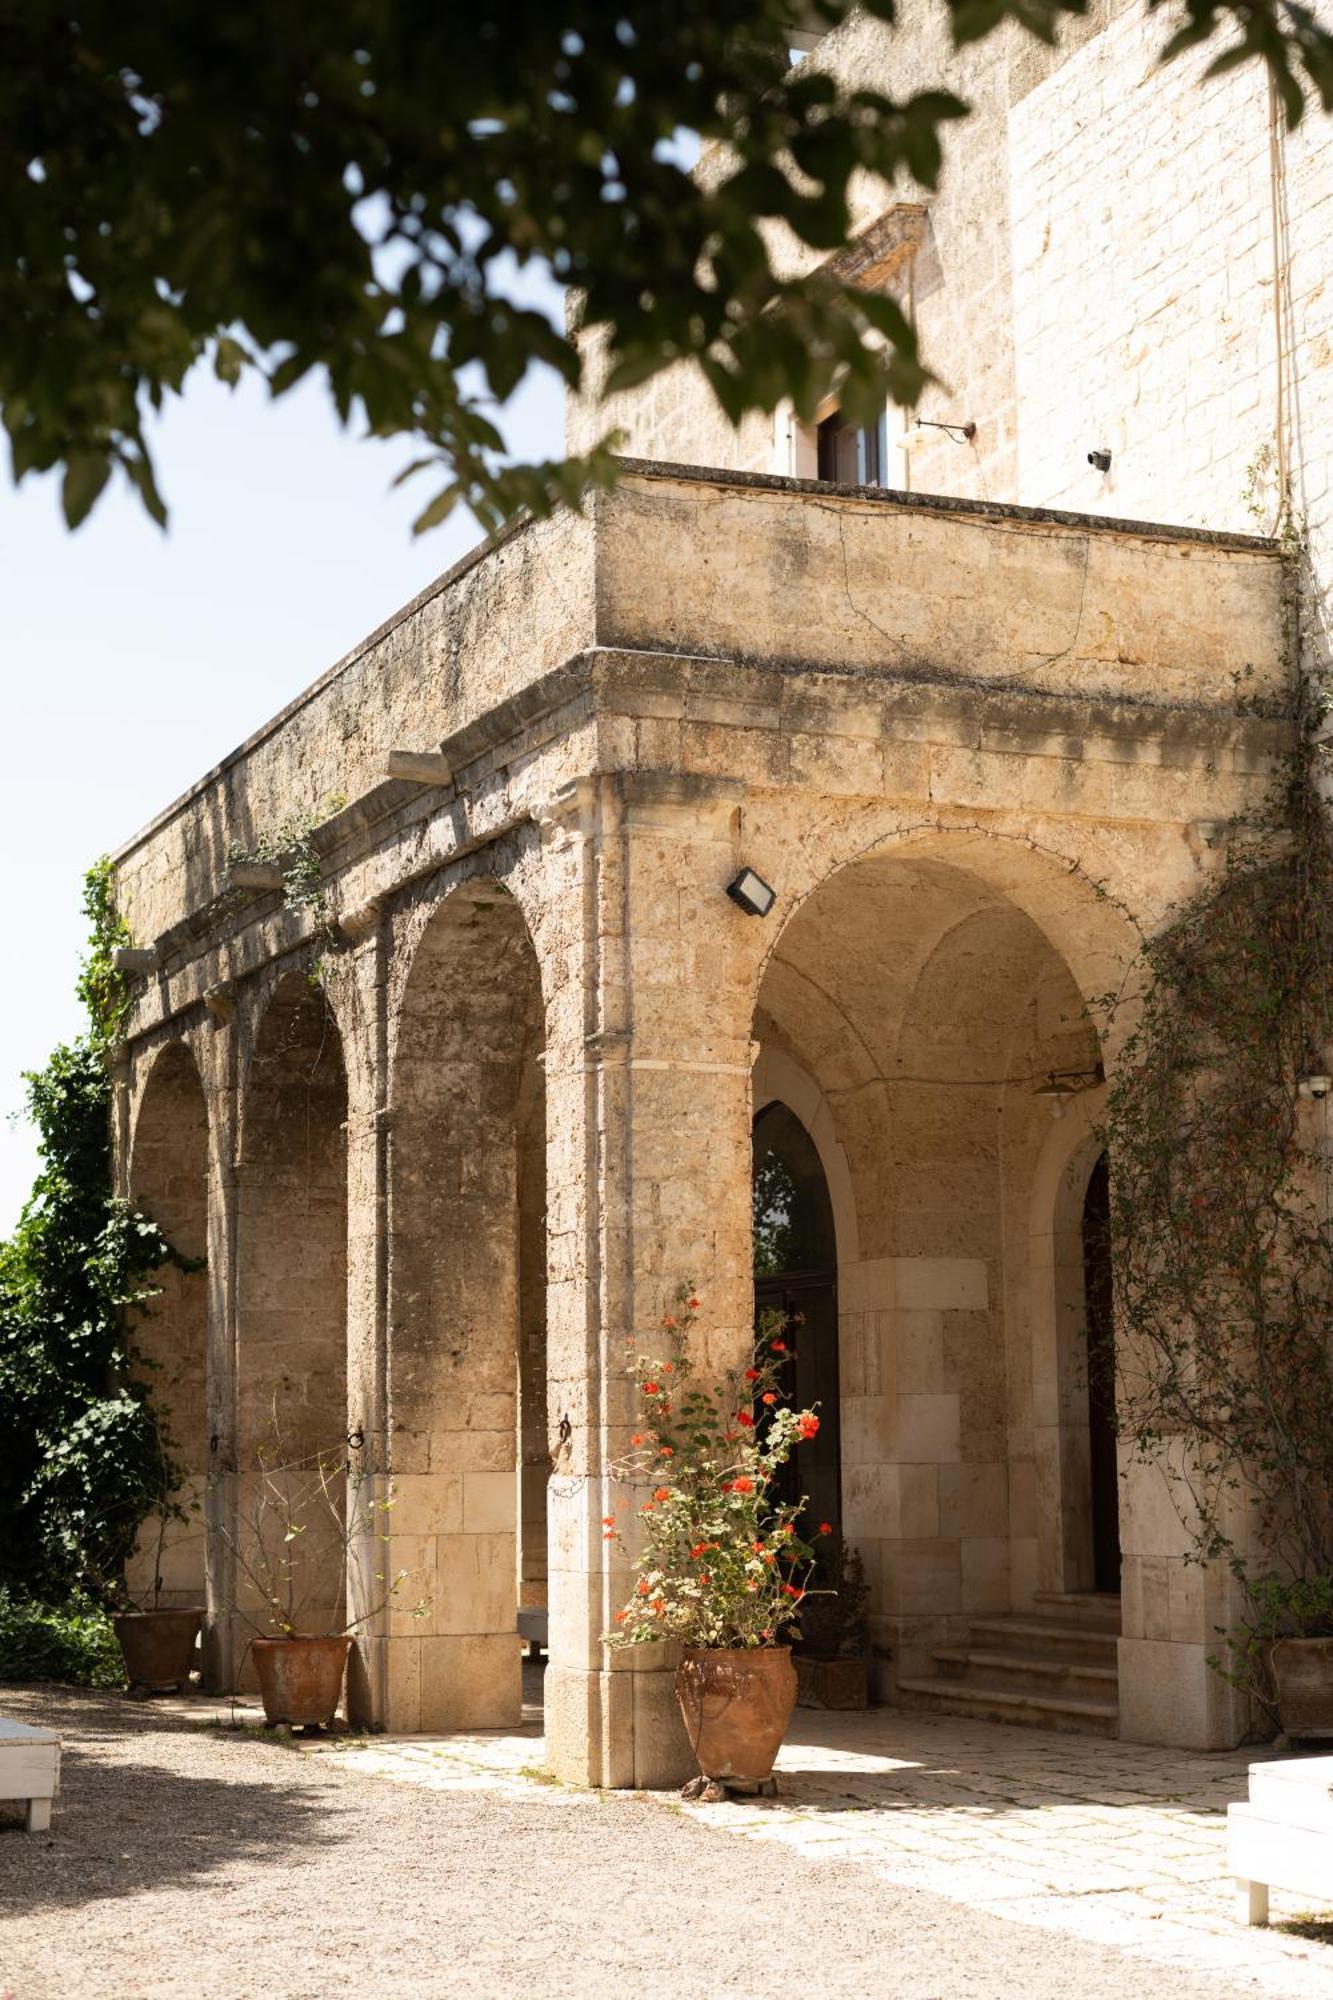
(977,751)
(1119,254)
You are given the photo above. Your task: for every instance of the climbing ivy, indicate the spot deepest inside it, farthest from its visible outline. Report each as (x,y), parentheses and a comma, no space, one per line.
(85,1460)
(1221,1229)
(291,844)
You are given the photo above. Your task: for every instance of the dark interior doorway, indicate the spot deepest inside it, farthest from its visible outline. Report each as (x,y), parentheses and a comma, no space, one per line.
(1100,1319)
(796,1272)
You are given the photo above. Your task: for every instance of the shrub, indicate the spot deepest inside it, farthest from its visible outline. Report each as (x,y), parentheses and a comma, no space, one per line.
(84,1459)
(72,1643)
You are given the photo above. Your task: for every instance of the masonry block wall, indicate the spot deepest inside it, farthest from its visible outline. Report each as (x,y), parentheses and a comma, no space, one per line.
(1119,254)
(291,1309)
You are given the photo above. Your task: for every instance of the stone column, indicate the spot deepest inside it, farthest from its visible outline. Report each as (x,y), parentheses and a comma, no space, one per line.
(1173,1611)
(358,994)
(648,1184)
(218,1066)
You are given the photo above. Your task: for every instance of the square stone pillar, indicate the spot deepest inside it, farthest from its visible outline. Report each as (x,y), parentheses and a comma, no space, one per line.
(648,1185)
(358,994)
(1174,1610)
(223,1640)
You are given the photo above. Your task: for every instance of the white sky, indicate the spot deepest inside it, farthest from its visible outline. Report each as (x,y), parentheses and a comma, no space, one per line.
(130,661)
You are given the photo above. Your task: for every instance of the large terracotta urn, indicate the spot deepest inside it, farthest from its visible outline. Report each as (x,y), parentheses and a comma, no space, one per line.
(1303,1671)
(158,1646)
(736,1706)
(300,1679)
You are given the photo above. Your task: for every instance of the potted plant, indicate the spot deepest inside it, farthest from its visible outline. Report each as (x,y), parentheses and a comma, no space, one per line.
(1282,1652)
(721,1568)
(297,1521)
(157,1642)
(833,1655)
(123,1561)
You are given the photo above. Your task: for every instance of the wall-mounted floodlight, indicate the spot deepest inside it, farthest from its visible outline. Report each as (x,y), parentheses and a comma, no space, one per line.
(751,893)
(135,958)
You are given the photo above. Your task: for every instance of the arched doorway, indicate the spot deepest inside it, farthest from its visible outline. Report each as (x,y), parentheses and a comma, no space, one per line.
(1100,1320)
(796,1275)
(926,1004)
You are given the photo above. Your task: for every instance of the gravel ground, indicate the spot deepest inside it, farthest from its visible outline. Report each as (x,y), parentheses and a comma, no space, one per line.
(183,1862)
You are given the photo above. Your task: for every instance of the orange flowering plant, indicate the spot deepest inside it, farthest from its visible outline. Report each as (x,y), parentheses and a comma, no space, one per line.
(720,1561)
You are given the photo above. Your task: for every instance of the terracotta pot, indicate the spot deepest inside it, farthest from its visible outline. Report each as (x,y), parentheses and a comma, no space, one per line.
(158,1646)
(736,1707)
(1303,1670)
(833,1683)
(300,1679)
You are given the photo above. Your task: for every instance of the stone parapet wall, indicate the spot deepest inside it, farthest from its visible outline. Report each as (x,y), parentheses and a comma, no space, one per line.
(499,619)
(938,607)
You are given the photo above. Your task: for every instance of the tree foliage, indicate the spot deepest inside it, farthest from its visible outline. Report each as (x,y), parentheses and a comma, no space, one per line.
(348,191)
(85,1459)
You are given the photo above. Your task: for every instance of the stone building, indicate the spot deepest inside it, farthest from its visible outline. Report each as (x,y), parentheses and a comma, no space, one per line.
(978,748)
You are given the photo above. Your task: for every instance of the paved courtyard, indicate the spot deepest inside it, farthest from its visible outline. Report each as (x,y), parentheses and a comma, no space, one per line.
(907,1856)
(1113,1842)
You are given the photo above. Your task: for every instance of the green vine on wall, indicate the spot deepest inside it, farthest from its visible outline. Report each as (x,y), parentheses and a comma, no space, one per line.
(85,1458)
(1221,1192)
(291,845)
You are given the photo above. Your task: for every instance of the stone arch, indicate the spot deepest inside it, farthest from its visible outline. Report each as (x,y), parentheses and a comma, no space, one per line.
(921,990)
(1071,1151)
(1089,926)
(291,1280)
(168,1180)
(779,1077)
(467,1312)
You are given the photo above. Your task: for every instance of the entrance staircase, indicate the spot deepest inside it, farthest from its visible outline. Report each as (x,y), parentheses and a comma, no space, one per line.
(1050,1668)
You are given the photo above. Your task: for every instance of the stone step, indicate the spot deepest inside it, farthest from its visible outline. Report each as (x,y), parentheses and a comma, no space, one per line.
(1033,1711)
(1099,1609)
(1031,1673)
(1034,1634)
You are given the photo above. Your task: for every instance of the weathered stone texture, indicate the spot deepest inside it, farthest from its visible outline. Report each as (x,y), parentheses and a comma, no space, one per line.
(1098,269)
(975,752)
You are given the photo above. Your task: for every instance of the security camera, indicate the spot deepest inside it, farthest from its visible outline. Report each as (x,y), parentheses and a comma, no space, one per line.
(1101,458)
(1317,1087)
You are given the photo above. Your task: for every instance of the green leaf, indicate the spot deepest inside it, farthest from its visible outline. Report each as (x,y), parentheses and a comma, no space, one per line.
(230,360)
(86,473)
(440,508)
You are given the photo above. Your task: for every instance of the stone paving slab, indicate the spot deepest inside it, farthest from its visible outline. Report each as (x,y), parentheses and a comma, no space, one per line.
(1116,1842)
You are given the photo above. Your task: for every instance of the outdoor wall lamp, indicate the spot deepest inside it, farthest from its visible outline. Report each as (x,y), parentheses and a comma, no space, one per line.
(1057,1094)
(1061,1085)
(751,893)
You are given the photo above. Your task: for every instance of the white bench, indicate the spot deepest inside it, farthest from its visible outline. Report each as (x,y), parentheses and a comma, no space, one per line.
(1283,1838)
(30,1769)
